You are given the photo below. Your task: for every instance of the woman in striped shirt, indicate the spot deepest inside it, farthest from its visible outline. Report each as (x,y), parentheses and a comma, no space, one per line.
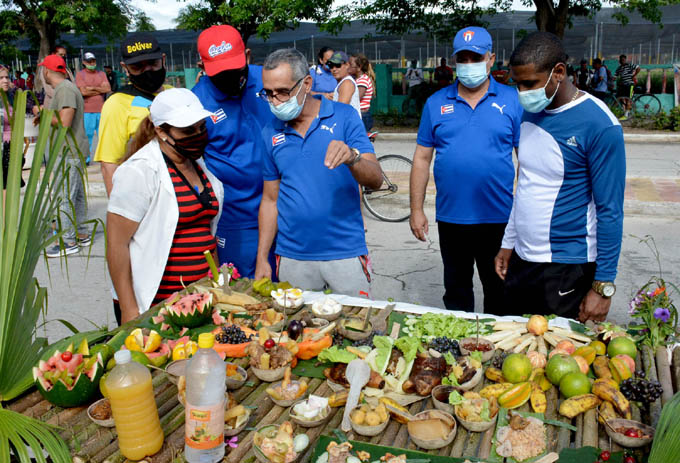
(163,207)
(362,71)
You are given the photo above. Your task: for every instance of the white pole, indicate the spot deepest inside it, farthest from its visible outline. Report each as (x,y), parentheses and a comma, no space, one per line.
(601,40)
(658,51)
(376,50)
(640,60)
(649,57)
(295,44)
(363,47)
(673,50)
(172,58)
(434,49)
(513,37)
(597,31)
(313,51)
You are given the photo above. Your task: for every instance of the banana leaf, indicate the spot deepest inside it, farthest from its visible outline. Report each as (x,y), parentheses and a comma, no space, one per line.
(25,231)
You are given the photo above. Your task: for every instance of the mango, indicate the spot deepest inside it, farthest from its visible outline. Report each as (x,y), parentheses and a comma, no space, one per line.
(538,400)
(587,352)
(601,367)
(578,404)
(494,390)
(619,369)
(494,374)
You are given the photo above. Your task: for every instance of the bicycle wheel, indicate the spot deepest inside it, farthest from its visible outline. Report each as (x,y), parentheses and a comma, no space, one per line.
(646,105)
(618,106)
(390,203)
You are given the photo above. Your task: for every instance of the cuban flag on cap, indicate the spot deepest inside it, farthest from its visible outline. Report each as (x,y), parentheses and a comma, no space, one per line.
(218,116)
(278,139)
(447,109)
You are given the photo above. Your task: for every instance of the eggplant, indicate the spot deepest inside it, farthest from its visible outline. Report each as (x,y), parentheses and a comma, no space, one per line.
(294,329)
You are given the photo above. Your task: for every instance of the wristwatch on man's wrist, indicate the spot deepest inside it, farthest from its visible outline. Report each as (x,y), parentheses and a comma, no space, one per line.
(604,288)
(357,157)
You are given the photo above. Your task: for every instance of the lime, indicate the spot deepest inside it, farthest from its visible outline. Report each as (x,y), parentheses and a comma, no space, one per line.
(599,346)
(558,366)
(573,384)
(516,368)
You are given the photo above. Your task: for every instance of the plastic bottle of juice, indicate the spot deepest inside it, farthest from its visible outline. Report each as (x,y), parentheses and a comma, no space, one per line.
(204,419)
(134,408)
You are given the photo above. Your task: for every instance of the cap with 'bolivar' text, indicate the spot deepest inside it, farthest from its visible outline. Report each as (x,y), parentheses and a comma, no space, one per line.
(140,47)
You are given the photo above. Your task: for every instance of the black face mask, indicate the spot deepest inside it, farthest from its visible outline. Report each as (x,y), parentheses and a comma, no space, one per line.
(232,83)
(193,146)
(149,81)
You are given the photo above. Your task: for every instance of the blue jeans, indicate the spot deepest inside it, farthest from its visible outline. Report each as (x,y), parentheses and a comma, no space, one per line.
(91,123)
(367,119)
(240,248)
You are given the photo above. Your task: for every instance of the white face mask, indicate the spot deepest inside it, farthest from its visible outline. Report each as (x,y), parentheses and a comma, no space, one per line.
(536,100)
(290,109)
(472,75)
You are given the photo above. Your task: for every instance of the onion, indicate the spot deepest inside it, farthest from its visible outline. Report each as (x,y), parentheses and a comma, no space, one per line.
(537,325)
(537,359)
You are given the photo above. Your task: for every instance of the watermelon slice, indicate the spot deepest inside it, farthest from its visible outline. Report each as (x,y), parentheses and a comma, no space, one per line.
(191,310)
(69,383)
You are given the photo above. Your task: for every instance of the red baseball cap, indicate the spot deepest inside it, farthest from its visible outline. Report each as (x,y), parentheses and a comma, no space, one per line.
(221,49)
(54,63)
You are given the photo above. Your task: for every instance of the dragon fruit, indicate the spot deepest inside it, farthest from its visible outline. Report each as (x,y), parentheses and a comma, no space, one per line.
(190,311)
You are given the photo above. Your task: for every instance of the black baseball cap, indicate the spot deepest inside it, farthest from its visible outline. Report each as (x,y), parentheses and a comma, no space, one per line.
(140,47)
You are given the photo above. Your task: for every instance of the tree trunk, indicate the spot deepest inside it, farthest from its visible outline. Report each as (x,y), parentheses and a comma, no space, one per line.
(551,18)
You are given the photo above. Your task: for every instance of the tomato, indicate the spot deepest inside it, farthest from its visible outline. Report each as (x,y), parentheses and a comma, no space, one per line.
(605,455)
(269,343)
(629,459)
(632,432)
(66,356)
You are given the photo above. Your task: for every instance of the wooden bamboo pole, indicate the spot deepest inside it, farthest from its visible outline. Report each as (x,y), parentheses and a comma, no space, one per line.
(650,372)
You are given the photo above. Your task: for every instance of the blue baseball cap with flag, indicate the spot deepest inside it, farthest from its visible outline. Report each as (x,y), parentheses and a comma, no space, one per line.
(474,39)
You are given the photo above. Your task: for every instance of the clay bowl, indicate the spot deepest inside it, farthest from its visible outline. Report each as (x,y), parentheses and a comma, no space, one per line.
(269,376)
(308,423)
(233,432)
(442,405)
(319,323)
(269,429)
(476,426)
(287,310)
(354,335)
(329,317)
(432,444)
(105,423)
(176,369)
(287,402)
(370,431)
(626,441)
(466,386)
(233,384)
(486,355)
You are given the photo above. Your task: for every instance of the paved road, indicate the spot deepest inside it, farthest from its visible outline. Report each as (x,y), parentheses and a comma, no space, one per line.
(405,269)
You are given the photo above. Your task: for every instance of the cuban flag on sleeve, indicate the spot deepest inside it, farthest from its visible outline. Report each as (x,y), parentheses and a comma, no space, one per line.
(218,115)
(447,109)
(278,139)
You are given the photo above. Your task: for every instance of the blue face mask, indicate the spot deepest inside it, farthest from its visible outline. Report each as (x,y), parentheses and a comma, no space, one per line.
(535,101)
(290,109)
(471,75)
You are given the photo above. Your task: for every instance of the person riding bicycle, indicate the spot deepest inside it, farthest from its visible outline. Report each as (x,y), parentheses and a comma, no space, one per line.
(625,83)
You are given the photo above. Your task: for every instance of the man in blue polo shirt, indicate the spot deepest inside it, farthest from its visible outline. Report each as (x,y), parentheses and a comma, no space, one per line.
(317,155)
(474,125)
(234,151)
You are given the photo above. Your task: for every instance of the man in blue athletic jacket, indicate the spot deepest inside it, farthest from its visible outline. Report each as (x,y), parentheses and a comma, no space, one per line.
(234,151)
(567,216)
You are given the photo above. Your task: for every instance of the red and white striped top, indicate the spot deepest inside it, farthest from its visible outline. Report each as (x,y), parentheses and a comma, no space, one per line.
(365,102)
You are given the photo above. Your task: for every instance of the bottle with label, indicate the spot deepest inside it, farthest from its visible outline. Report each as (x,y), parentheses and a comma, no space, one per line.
(134,408)
(204,419)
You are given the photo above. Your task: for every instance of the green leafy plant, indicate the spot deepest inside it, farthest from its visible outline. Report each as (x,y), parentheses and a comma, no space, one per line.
(654,307)
(25,232)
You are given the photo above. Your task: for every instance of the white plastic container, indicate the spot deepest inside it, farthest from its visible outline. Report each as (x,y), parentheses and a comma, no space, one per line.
(204,409)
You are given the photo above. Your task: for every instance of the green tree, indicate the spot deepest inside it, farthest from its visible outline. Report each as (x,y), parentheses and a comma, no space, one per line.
(45,20)
(143,23)
(253,17)
(443,18)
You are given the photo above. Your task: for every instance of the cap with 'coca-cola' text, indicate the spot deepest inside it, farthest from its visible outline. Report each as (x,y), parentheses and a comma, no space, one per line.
(221,49)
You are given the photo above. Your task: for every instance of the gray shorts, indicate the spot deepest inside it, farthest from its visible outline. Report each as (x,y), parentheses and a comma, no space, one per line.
(344,276)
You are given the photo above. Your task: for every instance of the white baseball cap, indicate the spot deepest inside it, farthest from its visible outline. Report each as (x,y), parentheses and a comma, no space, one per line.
(178,107)
(89,56)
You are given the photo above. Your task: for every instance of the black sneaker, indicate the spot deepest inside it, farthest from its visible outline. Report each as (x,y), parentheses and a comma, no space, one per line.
(58,251)
(84,241)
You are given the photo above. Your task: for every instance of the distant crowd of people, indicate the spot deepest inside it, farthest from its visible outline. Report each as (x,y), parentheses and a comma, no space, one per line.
(261,166)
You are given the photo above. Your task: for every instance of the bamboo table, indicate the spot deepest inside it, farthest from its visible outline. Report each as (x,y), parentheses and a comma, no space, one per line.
(92,443)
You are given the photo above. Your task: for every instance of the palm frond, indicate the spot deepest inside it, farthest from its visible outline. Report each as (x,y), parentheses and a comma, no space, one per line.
(25,231)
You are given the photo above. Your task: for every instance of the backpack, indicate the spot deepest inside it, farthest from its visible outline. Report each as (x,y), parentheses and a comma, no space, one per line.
(611,82)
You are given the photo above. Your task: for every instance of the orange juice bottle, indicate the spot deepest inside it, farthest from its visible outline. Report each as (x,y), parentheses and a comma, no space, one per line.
(134,408)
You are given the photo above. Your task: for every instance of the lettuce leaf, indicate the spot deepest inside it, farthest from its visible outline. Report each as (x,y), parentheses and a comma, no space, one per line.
(450,380)
(477,355)
(450,359)
(379,357)
(336,354)
(455,398)
(484,414)
(409,346)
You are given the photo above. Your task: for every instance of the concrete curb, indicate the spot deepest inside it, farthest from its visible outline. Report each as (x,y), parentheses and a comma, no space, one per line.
(627,137)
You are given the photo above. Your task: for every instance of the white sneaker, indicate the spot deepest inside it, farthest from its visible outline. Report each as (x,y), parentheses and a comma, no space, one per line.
(58,251)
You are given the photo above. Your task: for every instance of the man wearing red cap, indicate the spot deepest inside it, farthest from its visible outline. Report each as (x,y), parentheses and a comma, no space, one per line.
(235,148)
(68,101)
